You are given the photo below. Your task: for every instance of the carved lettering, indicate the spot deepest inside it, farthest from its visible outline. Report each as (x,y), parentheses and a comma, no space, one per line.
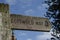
(39,23)
(46,23)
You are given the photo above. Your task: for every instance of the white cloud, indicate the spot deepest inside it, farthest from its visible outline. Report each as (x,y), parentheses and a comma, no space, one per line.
(11,2)
(26,2)
(20,34)
(45,36)
(45,5)
(29,39)
(23,34)
(29,12)
(42,7)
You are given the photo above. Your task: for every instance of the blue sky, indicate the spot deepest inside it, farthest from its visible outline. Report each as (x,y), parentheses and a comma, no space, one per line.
(31,35)
(27,7)
(30,8)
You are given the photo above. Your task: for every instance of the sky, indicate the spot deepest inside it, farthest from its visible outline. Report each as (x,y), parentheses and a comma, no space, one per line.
(28,8)
(31,35)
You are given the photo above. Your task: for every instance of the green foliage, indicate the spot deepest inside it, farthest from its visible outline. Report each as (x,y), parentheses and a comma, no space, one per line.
(54,12)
